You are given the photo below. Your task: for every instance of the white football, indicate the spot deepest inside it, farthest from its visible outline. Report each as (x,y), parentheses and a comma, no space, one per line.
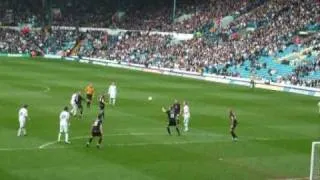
(149,98)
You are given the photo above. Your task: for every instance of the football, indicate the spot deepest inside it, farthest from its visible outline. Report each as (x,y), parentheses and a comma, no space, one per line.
(149,98)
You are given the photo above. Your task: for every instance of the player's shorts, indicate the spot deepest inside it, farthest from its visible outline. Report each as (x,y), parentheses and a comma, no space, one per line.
(101,107)
(63,128)
(96,134)
(186,118)
(234,125)
(89,97)
(79,106)
(172,122)
(22,123)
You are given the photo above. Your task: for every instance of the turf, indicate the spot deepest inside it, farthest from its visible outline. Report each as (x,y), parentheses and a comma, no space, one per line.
(276,129)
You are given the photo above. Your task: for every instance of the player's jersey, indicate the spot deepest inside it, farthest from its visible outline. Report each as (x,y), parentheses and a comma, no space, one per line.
(64,117)
(79,99)
(73,98)
(96,125)
(186,111)
(177,108)
(112,91)
(233,118)
(171,115)
(101,103)
(23,114)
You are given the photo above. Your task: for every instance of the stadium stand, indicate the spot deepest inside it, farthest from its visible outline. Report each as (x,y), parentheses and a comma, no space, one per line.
(275,40)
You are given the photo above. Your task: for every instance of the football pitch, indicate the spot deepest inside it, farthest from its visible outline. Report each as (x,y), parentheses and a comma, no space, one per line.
(275,129)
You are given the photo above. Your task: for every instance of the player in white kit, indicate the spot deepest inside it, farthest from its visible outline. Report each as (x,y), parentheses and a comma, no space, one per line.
(186,116)
(74,104)
(112,92)
(64,124)
(23,117)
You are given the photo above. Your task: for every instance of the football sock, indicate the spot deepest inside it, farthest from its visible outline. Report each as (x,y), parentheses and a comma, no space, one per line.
(233,134)
(59,137)
(19,132)
(90,140)
(88,104)
(66,137)
(178,131)
(168,129)
(100,140)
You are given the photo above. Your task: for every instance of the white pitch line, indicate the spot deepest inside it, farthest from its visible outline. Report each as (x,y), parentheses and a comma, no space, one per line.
(48,144)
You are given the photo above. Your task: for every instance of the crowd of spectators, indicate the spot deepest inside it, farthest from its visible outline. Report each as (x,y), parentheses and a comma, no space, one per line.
(276,24)
(190,15)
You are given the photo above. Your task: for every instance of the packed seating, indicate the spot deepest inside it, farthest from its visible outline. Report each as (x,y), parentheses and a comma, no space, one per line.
(272,50)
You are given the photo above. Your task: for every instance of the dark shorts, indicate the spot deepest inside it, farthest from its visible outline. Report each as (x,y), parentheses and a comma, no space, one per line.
(89,97)
(234,125)
(172,122)
(101,107)
(79,106)
(96,134)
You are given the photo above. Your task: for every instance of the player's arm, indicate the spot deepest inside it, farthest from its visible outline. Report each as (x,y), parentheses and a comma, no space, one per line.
(27,116)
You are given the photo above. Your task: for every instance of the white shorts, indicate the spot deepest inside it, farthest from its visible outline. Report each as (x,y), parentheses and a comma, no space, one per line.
(63,128)
(112,96)
(74,105)
(186,118)
(22,123)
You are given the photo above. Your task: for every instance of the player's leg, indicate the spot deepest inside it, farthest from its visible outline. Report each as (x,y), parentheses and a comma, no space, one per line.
(233,134)
(113,101)
(74,109)
(80,107)
(110,99)
(168,129)
(185,123)
(60,133)
(21,124)
(66,134)
(89,98)
(177,129)
(99,141)
(23,130)
(90,139)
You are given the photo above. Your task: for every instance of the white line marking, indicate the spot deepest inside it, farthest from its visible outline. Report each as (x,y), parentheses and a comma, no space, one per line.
(222,139)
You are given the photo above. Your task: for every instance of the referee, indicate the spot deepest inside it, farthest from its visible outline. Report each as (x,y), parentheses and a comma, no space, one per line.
(89,91)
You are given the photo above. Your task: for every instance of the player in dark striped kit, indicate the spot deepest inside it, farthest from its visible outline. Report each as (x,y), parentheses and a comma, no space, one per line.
(96,131)
(78,101)
(102,105)
(177,110)
(234,124)
(172,119)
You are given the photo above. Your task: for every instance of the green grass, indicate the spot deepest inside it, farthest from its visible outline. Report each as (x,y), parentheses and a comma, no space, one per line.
(276,129)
